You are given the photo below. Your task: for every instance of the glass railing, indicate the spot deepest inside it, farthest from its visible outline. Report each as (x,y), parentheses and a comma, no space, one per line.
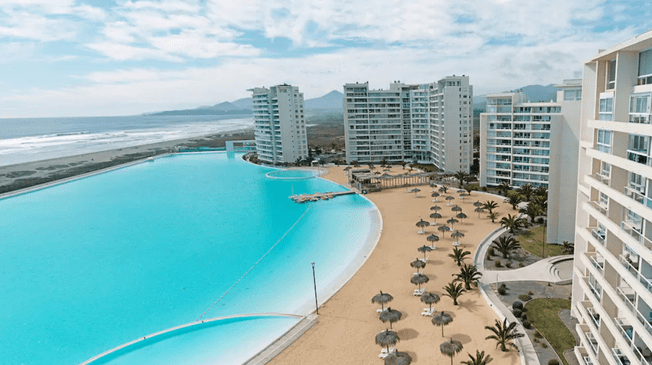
(638,196)
(627,331)
(597,264)
(587,360)
(600,206)
(633,269)
(635,232)
(629,302)
(597,292)
(621,358)
(639,156)
(593,343)
(595,318)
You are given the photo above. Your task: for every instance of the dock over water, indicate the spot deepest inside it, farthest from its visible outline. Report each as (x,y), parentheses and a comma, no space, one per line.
(302,198)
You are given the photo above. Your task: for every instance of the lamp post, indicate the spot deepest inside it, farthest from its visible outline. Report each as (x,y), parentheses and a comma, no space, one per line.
(314,281)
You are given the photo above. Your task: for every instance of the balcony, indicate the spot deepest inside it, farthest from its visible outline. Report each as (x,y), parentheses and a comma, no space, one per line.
(603,178)
(598,233)
(590,340)
(632,267)
(634,230)
(600,206)
(627,331)
(621,358)
(629,298)
(596,261)
(639,196)
(594,288)
(639,156)
(595,317)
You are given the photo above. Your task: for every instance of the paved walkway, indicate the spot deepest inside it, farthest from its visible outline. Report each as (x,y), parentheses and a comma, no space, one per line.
(553,269)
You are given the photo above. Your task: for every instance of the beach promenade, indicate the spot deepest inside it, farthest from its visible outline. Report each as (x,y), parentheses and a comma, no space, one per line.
(348,322)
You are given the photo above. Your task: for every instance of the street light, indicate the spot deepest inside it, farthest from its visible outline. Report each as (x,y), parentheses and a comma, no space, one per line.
(314,281)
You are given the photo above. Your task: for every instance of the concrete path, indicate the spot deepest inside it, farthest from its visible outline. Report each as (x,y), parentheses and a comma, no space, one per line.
(553,269)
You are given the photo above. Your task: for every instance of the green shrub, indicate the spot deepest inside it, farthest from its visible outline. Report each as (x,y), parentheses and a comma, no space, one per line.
(508,264)
(544,345)
(524,297)
(491,251)
(535,340)
(484,188)
(502,290)
(530,293)
(526,323)
(553,362)
(498,263)
(537,334)
(488,257)
(524,317)
(517,305)
(517,313)
(520,264)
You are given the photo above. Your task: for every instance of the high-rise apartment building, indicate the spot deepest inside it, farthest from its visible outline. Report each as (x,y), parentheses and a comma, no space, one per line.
(535,143)
(279,124)
(426,123)
(612,277)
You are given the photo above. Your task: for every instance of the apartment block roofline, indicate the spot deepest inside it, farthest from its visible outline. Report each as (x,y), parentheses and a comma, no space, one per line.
(639,43)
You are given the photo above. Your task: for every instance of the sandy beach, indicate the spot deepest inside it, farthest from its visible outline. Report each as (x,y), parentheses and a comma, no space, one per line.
(348,322)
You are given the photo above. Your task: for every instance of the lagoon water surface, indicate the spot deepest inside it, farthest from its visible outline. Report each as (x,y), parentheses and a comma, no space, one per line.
(91,264)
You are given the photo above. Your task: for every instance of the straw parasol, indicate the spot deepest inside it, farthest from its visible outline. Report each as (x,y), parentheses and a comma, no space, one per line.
(435,216)
(456,235)
(444,228)
(435,208)
(435,195)
(424,249)
(478,204)
(461,216)
(390,315)
(451,348)
(398,358)
(432,237)
(387,338)
(479,210)
(422,224)
(419,279)
(452,221)
(441,319)
(382,298)
(456,208)
(415,191)
(464,195)
(418,264)
(430,299)
(450,198)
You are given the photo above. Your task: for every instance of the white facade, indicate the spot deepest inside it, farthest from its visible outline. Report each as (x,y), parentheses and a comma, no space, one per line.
(427,123)
(280,125)
(535,143)
(612,276)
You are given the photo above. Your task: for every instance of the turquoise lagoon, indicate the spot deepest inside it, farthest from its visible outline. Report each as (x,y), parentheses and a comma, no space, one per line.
(97,262)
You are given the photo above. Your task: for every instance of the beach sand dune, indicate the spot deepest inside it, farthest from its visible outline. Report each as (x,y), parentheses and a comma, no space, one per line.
(348,322)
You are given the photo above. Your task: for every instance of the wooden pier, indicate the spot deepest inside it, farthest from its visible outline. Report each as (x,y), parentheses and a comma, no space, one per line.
(302,198)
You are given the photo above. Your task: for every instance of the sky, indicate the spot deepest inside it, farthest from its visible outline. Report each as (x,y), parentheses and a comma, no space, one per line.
(102,57)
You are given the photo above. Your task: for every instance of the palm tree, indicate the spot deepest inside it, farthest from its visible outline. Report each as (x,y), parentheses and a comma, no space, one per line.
(469,275)
(526,190)
(569,248)
(514,200)
(479,359)
(505,245)
(459,255)
(490,205)
(443,189)
(503,187)
(512,222)
(532,210)
(493,216)
(461,176)
(355,163)
(541,191)
(504,333)
(454,291)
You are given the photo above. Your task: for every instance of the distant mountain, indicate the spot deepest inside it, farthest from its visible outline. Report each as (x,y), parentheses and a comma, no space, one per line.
(244,103)
(331,101)
(534,93)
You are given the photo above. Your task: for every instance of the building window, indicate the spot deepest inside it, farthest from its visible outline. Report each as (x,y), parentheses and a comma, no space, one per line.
(606,109)
(645,67)
(604,141)
(611,80)
(639,109)
(573,94)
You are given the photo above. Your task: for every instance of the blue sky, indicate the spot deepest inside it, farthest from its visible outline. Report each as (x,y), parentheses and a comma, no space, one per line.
(102,57)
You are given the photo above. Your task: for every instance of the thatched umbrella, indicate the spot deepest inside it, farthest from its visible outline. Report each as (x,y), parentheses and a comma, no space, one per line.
(387,338)
(418,264)
(464,195)
(444,228)
(452,221)
(382,298)
(442,189)
(415,191)
(456,235)
(436,208)
(461,216)
(435,216)
(441,319)
(435,195)
(456,208)
(479,210)
(450,199)
(450,348)
(478,204)
(433,237)
(461,191)
(430,299)
(390,315)
(398,358)
(419,279)
(422,224)
(424,249)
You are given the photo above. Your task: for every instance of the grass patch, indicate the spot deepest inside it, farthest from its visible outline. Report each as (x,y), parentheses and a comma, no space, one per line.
(534,247)
(543,313)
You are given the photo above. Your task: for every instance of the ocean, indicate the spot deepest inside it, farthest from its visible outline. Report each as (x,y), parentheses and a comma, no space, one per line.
(26,140)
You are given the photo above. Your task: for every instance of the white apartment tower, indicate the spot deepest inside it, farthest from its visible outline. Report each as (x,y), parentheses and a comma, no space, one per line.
(280,125)
(612,275)
(535,143)
(426,123)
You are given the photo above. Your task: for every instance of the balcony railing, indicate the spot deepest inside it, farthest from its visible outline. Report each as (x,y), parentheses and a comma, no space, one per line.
(597,292)
(593,343)
(627,331)
(635,232)
(597,264)
(602,178)
(633,269)
(600,206)
(630,304)
(639,156)
(638,196)
(621,358)
(599,234)
(595,317)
